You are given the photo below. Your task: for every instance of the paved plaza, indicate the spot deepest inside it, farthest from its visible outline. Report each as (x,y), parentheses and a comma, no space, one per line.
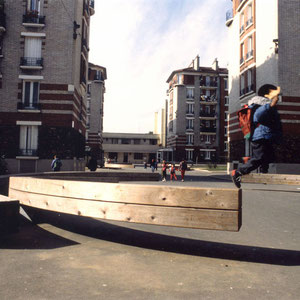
(70,257)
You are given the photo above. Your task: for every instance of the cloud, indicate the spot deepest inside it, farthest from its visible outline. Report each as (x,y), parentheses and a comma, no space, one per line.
(141,42)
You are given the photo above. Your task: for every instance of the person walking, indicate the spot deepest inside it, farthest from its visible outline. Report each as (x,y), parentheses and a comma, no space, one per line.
(173,172)
(56,164)
(267,131)
(183,167)
(152,165)
(164,167)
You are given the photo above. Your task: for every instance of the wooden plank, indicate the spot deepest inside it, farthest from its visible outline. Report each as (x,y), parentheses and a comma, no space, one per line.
(194,197)
(148,214)
(271,178)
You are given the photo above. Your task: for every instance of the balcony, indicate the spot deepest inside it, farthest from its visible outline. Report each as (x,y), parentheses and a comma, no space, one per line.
(33,19)
(98,77)
(210,84)
(209,99)
(28,106)
(189,128)
(210,115)
(190,113)
(35,63)
(27,152)
(207,129)
(249,54)
(242,60)
(229,17)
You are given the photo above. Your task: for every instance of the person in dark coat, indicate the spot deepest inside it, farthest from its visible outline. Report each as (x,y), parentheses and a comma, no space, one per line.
(92,165)
(268,131)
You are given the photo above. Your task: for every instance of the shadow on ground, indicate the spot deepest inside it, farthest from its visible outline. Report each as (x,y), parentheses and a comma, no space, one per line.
(138,238)
(30,236)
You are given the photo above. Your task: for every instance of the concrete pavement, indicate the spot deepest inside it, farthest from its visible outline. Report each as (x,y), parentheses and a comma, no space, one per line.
(70,257)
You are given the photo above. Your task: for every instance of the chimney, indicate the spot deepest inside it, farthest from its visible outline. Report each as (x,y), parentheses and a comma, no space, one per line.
(215,64)
(196,63)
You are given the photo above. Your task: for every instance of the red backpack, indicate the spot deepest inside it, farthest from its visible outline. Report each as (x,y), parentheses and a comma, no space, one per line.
(245,117)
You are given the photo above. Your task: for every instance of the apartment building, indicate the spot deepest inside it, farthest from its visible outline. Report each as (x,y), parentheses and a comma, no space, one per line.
(43,83)
(95,105)
(264,43)
(197,113)
(134,148)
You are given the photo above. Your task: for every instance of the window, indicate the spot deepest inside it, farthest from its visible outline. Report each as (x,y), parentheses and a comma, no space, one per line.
(207,155)
(249,16)
(207,80)
(249,50)
(242,85)
(114,141)
(226,146)
(190,139)
(153,142)
(242,21)
(207,123)
(30,94)
(207,139)
(226,83)
(225,130)
(32,52)
(28,139)
(171,126)
(226,100)
(138,156)
(180,79)
(242,53)
(34,5)
(136,141)
(190,93)
(207,109)
(125,141)
(189,155)
(250,85)
(190,108)
(189,124)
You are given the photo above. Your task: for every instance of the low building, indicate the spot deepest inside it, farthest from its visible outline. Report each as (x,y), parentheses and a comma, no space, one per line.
(132,148)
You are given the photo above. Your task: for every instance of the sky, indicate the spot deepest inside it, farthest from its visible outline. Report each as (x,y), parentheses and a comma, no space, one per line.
(141,42)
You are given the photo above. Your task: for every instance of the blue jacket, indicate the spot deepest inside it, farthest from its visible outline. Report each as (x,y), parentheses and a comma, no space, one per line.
(269,124)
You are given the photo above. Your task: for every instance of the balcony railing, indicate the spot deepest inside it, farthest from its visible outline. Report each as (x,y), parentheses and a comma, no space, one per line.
(247,89)
(189,112)
(31,61)
(33,18)
(249,54)
(189,128)
(209,84)
(30,106)
(206,98)
(190,97)
(207,129)
(242,29)
(98,77)
(28,152)
(207,114)
(249,22)
(242,60)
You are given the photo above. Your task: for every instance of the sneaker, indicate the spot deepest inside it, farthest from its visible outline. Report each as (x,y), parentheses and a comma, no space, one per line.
(236,178)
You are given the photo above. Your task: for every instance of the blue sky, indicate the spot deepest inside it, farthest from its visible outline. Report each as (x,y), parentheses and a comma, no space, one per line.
(140,42)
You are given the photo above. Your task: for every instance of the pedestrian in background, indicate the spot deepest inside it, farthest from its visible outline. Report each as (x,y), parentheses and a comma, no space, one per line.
(56,164)
(183,167)
(164,167)
(173,172)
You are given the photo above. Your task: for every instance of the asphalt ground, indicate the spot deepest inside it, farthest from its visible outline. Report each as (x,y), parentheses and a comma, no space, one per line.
(71,257)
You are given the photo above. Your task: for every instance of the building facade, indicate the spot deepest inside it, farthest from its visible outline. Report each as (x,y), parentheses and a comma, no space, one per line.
(197,113)
(264,42)
(134,148)
(43,82)
(95,105)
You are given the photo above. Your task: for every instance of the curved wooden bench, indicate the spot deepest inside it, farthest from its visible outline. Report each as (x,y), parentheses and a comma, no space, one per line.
(193,207)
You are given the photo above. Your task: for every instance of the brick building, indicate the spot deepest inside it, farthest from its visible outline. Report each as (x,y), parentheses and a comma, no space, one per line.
(43,82)
(197,113)
(264,41)
(95,102)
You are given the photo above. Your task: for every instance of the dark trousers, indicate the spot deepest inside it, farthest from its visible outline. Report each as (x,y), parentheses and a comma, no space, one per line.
(262,155)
